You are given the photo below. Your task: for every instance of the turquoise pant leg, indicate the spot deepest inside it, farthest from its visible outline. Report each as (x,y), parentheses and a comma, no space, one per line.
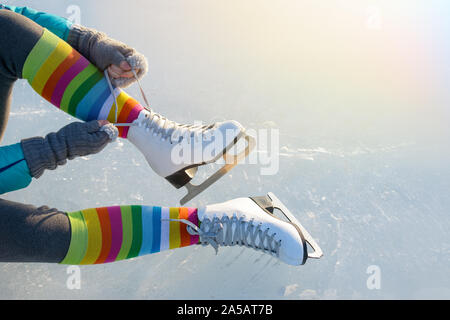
(56,24)
(14,172)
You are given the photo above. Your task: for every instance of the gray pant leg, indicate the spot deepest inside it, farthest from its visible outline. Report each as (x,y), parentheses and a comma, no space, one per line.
(31,234)
(18,35)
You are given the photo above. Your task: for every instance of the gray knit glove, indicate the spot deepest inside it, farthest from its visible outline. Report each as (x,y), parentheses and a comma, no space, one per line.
(103,51)
(75,139)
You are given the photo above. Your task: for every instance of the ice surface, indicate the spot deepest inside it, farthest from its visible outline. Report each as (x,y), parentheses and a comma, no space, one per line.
(361,106)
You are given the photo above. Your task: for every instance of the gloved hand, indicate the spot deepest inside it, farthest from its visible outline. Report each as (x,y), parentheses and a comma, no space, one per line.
(73,140)
(105,52)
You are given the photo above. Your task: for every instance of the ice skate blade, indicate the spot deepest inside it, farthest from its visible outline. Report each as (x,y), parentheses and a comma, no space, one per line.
(279,205)
(230,162)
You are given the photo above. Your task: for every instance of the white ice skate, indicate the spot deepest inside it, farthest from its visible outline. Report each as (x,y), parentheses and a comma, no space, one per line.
(251,222)
(175,151)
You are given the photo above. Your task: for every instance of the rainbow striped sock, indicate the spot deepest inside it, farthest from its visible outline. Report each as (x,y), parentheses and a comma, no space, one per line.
(70,82)
(109,234)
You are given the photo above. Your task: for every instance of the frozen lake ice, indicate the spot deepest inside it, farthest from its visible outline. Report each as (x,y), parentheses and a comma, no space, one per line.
(358,94)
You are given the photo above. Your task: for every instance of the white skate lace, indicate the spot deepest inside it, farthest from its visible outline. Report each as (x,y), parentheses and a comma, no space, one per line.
(171,130)
(237,232)
(168,129)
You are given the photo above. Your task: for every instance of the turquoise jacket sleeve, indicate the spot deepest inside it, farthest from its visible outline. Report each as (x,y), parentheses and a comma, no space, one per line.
(14,172)
(58,25)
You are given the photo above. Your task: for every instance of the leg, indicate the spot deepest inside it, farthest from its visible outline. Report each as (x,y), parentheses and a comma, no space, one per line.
(108,234)
(92,236)
(59,73)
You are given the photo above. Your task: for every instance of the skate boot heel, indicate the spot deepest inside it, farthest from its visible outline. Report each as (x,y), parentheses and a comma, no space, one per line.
(181,178)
